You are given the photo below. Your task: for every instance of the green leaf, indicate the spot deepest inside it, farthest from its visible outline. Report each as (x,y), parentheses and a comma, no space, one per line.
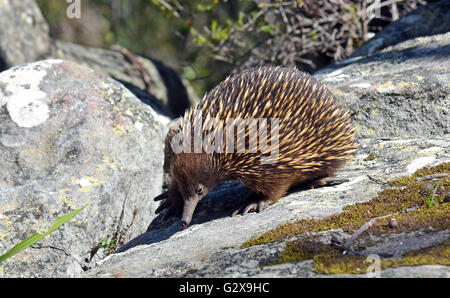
(214,26)
(267,29)
(201,8)
(36,237)
(240,21)
(199,40)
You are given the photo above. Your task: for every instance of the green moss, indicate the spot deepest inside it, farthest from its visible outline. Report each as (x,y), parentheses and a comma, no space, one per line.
(108,245)
(406,180)
(330,260)
(336,263)
(298,251)
(388,201)
(436,217)
(327,259)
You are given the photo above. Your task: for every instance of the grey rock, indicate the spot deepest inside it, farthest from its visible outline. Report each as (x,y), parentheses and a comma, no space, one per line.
(401,91)
(447,197)
(425,271)
(396,245)
(69,137)
(24,33)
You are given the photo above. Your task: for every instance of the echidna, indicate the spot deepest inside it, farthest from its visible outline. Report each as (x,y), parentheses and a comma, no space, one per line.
(269,127)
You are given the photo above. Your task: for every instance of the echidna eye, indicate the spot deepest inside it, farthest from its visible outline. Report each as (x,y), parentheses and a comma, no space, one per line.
(199,189)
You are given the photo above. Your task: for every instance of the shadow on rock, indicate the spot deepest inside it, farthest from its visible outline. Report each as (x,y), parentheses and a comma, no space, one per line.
(219,203)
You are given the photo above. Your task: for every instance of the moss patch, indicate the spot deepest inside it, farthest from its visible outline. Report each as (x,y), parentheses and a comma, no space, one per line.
(406,180)
(108,245)
(388,201)
(330,260)
(334,262)
(409,204)
(297,251)
(436,218)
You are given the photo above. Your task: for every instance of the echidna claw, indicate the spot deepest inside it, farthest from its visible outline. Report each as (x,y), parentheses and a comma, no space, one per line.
(161,196)
(250,207)
(331,181)
(162,206)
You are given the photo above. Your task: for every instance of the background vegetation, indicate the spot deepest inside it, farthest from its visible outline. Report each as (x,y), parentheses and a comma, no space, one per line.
(206,40)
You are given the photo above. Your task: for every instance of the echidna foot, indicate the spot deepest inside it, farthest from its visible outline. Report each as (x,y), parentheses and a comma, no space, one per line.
(331,181)
(328,181)
(250,207)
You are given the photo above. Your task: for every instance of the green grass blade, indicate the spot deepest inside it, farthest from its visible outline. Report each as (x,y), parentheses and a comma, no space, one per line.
(21,246)
(61,220)
(36,237)
(434,192)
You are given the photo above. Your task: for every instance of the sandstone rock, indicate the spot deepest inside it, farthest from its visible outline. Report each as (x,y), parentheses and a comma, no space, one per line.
(68,137)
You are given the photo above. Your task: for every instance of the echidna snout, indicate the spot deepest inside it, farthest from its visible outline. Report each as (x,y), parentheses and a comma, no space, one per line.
(188,211)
